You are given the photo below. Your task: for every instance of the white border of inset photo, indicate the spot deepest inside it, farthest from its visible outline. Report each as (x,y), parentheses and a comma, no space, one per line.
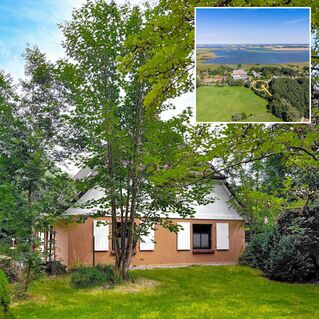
(195,57)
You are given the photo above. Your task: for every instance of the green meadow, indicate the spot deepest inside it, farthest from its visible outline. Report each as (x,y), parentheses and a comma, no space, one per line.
(207,292)
(218,104)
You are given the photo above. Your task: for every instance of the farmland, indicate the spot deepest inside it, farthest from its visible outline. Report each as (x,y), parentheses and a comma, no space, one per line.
(218,104)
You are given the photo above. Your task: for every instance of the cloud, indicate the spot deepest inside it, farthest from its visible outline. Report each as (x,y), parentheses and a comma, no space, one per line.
(295,21)
(32,23)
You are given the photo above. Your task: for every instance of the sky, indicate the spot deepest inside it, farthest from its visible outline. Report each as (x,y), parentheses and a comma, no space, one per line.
(33,22)
(244,26)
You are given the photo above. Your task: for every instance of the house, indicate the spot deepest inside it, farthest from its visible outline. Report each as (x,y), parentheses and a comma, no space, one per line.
(214,235)
(256,74)
(239,75)
(219,78)
(208,80)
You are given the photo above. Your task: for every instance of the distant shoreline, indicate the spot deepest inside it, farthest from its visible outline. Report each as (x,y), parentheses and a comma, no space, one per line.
(290,49)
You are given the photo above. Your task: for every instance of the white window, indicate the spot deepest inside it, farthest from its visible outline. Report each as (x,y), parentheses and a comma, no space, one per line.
(101,233)
(147,241)
(222,233)
(183,237)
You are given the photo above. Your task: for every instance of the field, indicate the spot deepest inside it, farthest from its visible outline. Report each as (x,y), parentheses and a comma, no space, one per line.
(298,66)
(223,292)
(218,104)
(203,54)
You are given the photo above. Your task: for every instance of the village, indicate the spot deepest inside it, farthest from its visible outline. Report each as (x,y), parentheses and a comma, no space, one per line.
(278,88)
(227,75)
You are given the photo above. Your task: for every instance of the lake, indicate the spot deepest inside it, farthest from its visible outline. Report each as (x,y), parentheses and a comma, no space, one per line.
(257,56)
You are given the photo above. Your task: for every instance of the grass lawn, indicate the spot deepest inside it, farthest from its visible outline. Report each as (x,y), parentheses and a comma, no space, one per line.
(218,104)
(194,292)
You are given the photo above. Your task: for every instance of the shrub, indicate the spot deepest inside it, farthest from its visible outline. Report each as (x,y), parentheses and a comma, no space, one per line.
(239,116)
(288,262)
(111,276)
(258,248)
(243,115)
(55,267)
(4,293)
(87,277)
(289,250)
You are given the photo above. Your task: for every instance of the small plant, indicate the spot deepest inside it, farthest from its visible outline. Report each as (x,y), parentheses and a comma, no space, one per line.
(31,270)
(4,294)
(87,277)
(111,276)
(55,267)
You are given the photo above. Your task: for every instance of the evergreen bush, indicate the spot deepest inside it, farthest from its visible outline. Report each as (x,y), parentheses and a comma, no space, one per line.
(288,251)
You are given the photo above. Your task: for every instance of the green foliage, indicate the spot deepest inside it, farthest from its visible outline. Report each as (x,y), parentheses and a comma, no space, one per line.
(233,82)
(89,277)
(271,168)
(287,262)
(257,251)
(110,273)
(287,251)
(269,71)
(135,154)
(34,192)
(4,293)
(31,270)
(290,98)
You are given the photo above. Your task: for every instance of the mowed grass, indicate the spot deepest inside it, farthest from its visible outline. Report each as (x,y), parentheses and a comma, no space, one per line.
(193,292)
(218,104)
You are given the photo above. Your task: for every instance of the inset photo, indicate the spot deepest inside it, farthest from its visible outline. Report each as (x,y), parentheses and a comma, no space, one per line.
(253,65)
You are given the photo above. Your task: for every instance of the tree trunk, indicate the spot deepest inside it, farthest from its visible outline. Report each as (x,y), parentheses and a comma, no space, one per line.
(127,252)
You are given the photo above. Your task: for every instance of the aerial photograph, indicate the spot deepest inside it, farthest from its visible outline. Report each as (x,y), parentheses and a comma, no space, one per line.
(252,65)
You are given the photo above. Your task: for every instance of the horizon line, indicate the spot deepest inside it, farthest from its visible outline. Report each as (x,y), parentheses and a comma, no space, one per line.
(307,44)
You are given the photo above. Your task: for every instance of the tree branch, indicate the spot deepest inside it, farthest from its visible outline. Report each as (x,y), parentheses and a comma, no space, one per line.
(305,151)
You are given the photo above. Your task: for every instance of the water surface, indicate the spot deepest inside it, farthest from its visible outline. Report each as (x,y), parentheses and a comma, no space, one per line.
(257,56)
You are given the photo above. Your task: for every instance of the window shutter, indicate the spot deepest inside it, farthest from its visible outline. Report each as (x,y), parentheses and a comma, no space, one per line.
(147,242)
(42,241)
(222,233)
(101,233)
(183,237)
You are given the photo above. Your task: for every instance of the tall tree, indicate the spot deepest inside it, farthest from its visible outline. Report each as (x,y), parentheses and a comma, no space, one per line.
(144,165)
(34,191)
